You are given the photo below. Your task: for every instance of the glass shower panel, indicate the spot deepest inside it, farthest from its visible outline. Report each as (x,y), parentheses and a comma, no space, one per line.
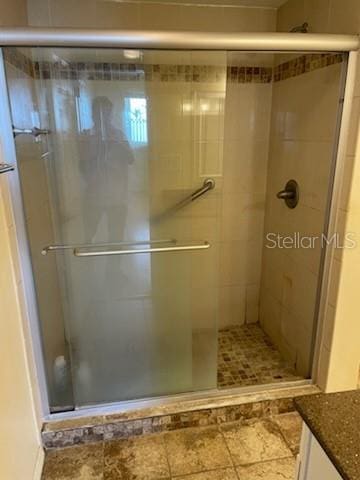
(132,135)
(282,112)
(141,156)
(307,99)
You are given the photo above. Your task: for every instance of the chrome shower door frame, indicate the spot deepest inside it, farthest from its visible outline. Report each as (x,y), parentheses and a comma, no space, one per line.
(10,185)
(331,219)
(247,42)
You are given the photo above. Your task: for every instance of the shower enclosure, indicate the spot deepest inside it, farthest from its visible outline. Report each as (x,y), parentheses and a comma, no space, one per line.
(150,182)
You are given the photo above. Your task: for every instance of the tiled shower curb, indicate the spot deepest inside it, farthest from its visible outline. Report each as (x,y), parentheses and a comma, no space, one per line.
(99,428)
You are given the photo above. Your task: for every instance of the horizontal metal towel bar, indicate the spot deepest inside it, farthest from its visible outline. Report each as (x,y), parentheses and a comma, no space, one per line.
(78,252)
(53,248)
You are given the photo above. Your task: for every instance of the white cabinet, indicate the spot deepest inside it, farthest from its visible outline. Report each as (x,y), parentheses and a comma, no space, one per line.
(313,463)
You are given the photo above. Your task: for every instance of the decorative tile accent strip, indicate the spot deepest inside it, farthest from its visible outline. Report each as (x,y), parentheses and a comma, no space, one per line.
(148,73)
(304,64)
(169,73)
(236,74)
(75,436)
(112,427)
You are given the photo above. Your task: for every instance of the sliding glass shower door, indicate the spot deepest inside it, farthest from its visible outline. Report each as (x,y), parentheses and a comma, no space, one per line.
(122,210)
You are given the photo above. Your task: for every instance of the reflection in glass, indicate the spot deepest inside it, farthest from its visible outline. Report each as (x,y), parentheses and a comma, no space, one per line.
(136,120)
(104,158)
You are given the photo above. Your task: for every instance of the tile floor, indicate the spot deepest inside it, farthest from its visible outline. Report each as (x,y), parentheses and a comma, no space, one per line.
(246,356)
(246,450)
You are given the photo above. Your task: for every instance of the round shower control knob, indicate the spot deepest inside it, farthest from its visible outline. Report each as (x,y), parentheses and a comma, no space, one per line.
(290,194)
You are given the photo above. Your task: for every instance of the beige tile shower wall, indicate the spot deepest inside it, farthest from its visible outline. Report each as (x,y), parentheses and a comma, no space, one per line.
(301,141)
(13,13)
(338,367)
(231,147)
(18,414)
(149,16)
(247,124)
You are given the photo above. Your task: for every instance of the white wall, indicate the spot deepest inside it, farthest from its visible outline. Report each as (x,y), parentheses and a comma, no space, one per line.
(149,16)
(21,455)
(20,450)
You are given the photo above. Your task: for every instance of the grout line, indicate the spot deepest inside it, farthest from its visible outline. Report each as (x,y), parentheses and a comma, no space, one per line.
(103,458)
(282,433)
(201,471)
(264,461)
(167,456)
(228,449)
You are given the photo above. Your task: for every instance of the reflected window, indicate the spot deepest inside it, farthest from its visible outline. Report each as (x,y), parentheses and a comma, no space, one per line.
(136,120)
(83,111)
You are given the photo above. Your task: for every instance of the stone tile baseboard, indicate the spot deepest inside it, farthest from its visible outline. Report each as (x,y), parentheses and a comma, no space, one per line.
(64,433)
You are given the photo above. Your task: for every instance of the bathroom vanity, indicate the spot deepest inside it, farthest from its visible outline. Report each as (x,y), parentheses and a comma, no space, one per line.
(330,442)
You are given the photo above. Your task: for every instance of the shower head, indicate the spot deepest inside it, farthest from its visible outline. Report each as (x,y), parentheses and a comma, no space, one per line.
(304,28)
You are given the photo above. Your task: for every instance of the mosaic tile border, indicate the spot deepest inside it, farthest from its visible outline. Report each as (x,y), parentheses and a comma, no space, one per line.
(169,73)
(109,427)
(136,72)
(130,72)
(304,64)
(156,73)
(236,74)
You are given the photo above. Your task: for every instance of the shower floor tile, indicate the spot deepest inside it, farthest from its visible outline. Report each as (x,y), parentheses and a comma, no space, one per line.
(201,453)
(246,356)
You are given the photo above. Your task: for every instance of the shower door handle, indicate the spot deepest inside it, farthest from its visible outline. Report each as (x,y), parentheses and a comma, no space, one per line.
(6,167)
(34,131)
(74,246)
(81,252)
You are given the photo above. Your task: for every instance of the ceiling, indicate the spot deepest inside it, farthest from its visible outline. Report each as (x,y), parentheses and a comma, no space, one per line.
(243,3)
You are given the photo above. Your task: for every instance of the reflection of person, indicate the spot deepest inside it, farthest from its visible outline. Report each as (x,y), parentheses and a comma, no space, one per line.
(104,159)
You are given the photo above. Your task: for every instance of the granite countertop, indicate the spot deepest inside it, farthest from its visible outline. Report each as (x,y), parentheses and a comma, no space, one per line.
(334,420)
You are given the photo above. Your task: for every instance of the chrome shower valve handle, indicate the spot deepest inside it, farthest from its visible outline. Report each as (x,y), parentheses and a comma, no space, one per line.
(284,194)
(290,194)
